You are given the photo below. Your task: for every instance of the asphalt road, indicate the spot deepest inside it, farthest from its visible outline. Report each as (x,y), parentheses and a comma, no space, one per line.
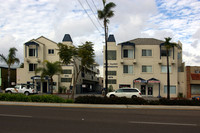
(28,119)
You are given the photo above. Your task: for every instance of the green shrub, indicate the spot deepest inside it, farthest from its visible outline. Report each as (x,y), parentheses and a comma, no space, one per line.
(34,98)
(114,100)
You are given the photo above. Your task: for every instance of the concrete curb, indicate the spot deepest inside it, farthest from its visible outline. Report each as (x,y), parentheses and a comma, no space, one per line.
(106,106)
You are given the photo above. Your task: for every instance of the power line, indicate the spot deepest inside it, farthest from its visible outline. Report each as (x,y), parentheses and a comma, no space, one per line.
(94,5)
(94,13)
(89,17)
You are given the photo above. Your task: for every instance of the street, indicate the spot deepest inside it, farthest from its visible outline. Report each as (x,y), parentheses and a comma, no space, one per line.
(32,119)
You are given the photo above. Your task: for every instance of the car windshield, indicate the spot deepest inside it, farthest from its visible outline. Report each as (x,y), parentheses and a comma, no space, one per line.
(17,87)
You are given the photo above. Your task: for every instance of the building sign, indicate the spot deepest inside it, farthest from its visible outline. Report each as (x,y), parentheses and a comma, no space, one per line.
(140,81)
(153,81)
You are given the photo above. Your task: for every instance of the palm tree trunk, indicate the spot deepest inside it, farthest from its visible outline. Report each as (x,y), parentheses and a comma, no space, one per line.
(8,76)
(51,85)
(106,58)
(168,77)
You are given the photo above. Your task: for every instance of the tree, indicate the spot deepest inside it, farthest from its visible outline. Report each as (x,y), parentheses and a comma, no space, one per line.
(168,46)
(83,54)
(10,60)
(50,69)
(104,14)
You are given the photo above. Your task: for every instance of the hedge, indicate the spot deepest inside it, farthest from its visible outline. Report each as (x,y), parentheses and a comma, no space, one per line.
(33,98)
(134,101)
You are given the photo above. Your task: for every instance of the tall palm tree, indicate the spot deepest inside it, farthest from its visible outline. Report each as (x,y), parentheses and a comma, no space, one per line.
(168,46)
(50,69)
(104,15)
(10,60)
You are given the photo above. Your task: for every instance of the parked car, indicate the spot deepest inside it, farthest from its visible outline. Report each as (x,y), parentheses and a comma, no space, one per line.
(21,88)
(125,92)
(196,98)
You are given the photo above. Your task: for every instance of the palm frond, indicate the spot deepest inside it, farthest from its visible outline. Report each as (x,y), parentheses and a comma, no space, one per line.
(3,58)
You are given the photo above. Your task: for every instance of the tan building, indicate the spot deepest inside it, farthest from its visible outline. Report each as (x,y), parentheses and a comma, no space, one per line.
(193,81)
(36,51)
(142,63)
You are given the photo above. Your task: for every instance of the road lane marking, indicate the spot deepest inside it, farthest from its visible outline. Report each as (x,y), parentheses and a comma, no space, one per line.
(160,123)
(23,116)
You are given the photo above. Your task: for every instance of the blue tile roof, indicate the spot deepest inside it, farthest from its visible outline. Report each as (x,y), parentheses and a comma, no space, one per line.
(111,38)
(67,38)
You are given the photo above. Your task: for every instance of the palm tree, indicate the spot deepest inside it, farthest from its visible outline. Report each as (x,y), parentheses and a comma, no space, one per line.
(10,60)
(50,69)
(168,46)
(104,15)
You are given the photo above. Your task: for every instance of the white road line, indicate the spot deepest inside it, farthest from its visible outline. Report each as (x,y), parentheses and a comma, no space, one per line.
(9,115)
(160,123)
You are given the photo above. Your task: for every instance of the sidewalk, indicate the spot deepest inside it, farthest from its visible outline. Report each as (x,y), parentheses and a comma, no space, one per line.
(105,106)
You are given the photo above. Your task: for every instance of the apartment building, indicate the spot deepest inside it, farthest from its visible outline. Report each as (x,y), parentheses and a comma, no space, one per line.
(36,51)
(142,63)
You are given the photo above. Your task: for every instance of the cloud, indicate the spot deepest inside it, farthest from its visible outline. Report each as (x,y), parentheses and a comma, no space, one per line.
(21,21)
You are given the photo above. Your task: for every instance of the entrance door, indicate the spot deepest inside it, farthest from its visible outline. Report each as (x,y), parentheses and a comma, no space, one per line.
(150,90)
(44,86)
(143,89)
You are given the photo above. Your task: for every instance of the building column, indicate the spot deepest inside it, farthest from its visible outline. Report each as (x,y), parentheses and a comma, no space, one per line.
(188,73)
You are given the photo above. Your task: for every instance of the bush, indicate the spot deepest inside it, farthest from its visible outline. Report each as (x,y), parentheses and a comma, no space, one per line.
(34,98)
(114,100)
(134,101)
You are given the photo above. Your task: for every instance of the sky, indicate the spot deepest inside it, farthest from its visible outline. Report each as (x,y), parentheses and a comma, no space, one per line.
(23,20)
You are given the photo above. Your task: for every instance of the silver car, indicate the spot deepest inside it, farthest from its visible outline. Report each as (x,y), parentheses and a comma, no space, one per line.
(125,92)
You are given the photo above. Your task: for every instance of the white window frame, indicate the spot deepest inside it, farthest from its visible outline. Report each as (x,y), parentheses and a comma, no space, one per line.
(147,68)
(130,69)
(164,69)
(146,53)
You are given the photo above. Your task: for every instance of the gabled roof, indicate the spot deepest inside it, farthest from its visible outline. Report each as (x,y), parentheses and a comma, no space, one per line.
(67,38)
(144,41)
(111,38)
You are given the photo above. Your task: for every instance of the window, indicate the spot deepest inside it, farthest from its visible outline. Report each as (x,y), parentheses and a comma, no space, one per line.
(112,73)
(66,79)
(32,67)
(147,69)
(67,71)
(172,89)
(146,52)
(164,69)
(128,53)
(130,90)
(51,51)
(164,52)
(195,90)
(31,52)
(128,69)
(112,81)
(111,55)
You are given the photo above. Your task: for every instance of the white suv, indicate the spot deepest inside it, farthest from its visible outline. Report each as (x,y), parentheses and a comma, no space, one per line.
(125,92)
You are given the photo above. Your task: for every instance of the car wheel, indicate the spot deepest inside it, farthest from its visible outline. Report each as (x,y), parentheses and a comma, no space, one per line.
(9,92)
(26,93)
(111,96)
(134,96)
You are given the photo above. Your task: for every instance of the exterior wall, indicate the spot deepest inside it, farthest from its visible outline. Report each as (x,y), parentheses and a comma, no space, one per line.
(155,61)
(195,71)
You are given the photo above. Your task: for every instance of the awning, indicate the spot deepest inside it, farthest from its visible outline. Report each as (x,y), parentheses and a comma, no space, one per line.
(140,80)
(195,76)
(153,80)
(31,43)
